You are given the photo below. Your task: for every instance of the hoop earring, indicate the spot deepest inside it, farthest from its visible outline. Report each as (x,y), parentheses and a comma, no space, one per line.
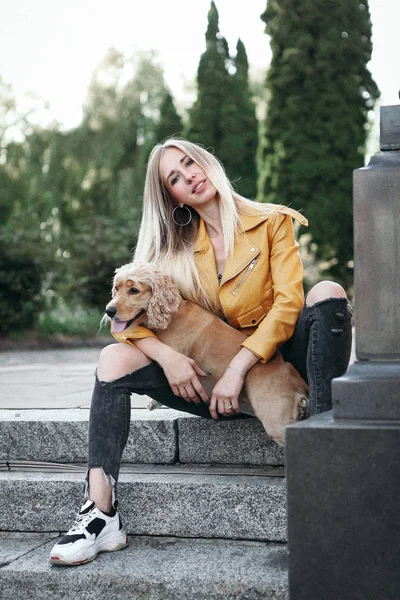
(181,224)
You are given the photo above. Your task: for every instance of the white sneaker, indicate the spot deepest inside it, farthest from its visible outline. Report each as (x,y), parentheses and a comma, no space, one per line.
(92,532)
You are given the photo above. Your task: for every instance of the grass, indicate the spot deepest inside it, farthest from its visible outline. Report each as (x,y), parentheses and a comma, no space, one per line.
(76,322)
(62,325)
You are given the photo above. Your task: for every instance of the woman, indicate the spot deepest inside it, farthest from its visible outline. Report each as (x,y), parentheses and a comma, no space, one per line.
(238,259)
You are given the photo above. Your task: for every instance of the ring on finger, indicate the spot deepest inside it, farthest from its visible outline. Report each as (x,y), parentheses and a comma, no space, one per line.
(229,407)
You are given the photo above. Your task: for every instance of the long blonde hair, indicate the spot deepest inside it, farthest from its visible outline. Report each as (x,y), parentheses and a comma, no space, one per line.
(171,246)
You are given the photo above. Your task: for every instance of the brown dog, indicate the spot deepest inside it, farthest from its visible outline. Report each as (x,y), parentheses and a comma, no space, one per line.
(274,392)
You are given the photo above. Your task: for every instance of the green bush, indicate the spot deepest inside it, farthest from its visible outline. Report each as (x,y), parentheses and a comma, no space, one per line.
(20,293)
(68,321)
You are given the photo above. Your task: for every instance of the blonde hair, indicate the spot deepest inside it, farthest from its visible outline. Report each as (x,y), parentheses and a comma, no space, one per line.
(171,246)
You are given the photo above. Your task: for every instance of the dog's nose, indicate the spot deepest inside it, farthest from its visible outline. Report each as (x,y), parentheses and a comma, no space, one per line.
(111,311)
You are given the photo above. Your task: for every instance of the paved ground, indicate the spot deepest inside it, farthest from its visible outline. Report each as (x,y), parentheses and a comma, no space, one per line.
(51,378)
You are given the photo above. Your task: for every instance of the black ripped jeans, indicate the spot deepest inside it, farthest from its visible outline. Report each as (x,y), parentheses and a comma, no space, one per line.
(319,349)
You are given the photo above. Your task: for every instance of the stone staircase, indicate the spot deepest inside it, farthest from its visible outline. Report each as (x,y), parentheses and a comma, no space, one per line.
(203,504)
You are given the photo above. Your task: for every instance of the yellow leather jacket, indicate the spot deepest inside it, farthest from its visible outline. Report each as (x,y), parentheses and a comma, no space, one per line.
(261,292)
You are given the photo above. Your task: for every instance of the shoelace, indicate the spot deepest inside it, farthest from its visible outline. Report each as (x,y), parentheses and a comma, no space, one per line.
(81,522)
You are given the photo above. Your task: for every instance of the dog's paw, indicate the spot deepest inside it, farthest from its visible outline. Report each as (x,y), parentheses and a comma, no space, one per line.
(153,404)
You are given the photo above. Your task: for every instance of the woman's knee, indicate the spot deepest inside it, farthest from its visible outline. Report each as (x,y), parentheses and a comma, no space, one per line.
(117,360)
(324,290)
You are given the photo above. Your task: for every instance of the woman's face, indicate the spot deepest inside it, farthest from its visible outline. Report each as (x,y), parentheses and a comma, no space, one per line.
(184,180)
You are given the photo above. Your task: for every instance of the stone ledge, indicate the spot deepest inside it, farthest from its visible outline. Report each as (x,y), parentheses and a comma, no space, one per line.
(14,545)
(241,441)
(61,436)
(156,569)
(180,504)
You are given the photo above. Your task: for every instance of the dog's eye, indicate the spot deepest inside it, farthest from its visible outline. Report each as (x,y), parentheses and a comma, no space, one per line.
(133,290)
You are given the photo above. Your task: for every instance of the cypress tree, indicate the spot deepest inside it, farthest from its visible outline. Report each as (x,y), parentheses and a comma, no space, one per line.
(239,124)
(213,81)
(170,123)
(223,116)
(316,124)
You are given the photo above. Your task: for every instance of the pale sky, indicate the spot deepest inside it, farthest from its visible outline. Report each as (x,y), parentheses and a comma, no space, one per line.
(51,47)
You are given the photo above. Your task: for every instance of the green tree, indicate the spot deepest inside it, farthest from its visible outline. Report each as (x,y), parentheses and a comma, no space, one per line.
(170,123)
(320,93)
(223,116)
(238,148)
(22,252)
(213,86)
(71,201)
(104,167)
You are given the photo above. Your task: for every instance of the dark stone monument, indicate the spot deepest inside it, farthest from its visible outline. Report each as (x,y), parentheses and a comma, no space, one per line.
(343,467)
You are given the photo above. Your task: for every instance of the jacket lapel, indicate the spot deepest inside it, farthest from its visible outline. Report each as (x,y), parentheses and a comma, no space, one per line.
(245,251)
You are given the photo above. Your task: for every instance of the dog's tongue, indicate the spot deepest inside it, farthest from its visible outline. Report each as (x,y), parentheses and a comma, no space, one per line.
(118,326)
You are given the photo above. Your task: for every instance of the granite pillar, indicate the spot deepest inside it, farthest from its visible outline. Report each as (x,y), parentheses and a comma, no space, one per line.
(343,467)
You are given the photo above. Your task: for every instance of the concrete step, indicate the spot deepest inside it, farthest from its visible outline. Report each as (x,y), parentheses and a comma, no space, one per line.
(177,500)
(162,436)
(149,569)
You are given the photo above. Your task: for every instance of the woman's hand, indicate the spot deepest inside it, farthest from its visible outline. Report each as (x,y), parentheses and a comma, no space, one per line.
(181,372)
(225,395)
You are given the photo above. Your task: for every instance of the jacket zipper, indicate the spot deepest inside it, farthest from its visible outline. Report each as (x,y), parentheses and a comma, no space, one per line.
(245,274)
(236,273)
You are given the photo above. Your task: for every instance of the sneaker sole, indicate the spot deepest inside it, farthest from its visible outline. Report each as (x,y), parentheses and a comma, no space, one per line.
(58,561)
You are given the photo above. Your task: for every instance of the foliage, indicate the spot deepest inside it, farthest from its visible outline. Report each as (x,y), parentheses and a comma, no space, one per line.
(20,286)
(316,124)
(71,201)
(68,321)
(213,82)
(223,117)
(170,123)
(240,128)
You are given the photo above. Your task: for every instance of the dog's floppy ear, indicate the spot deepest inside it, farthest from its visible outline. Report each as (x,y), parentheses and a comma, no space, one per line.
(164,302)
